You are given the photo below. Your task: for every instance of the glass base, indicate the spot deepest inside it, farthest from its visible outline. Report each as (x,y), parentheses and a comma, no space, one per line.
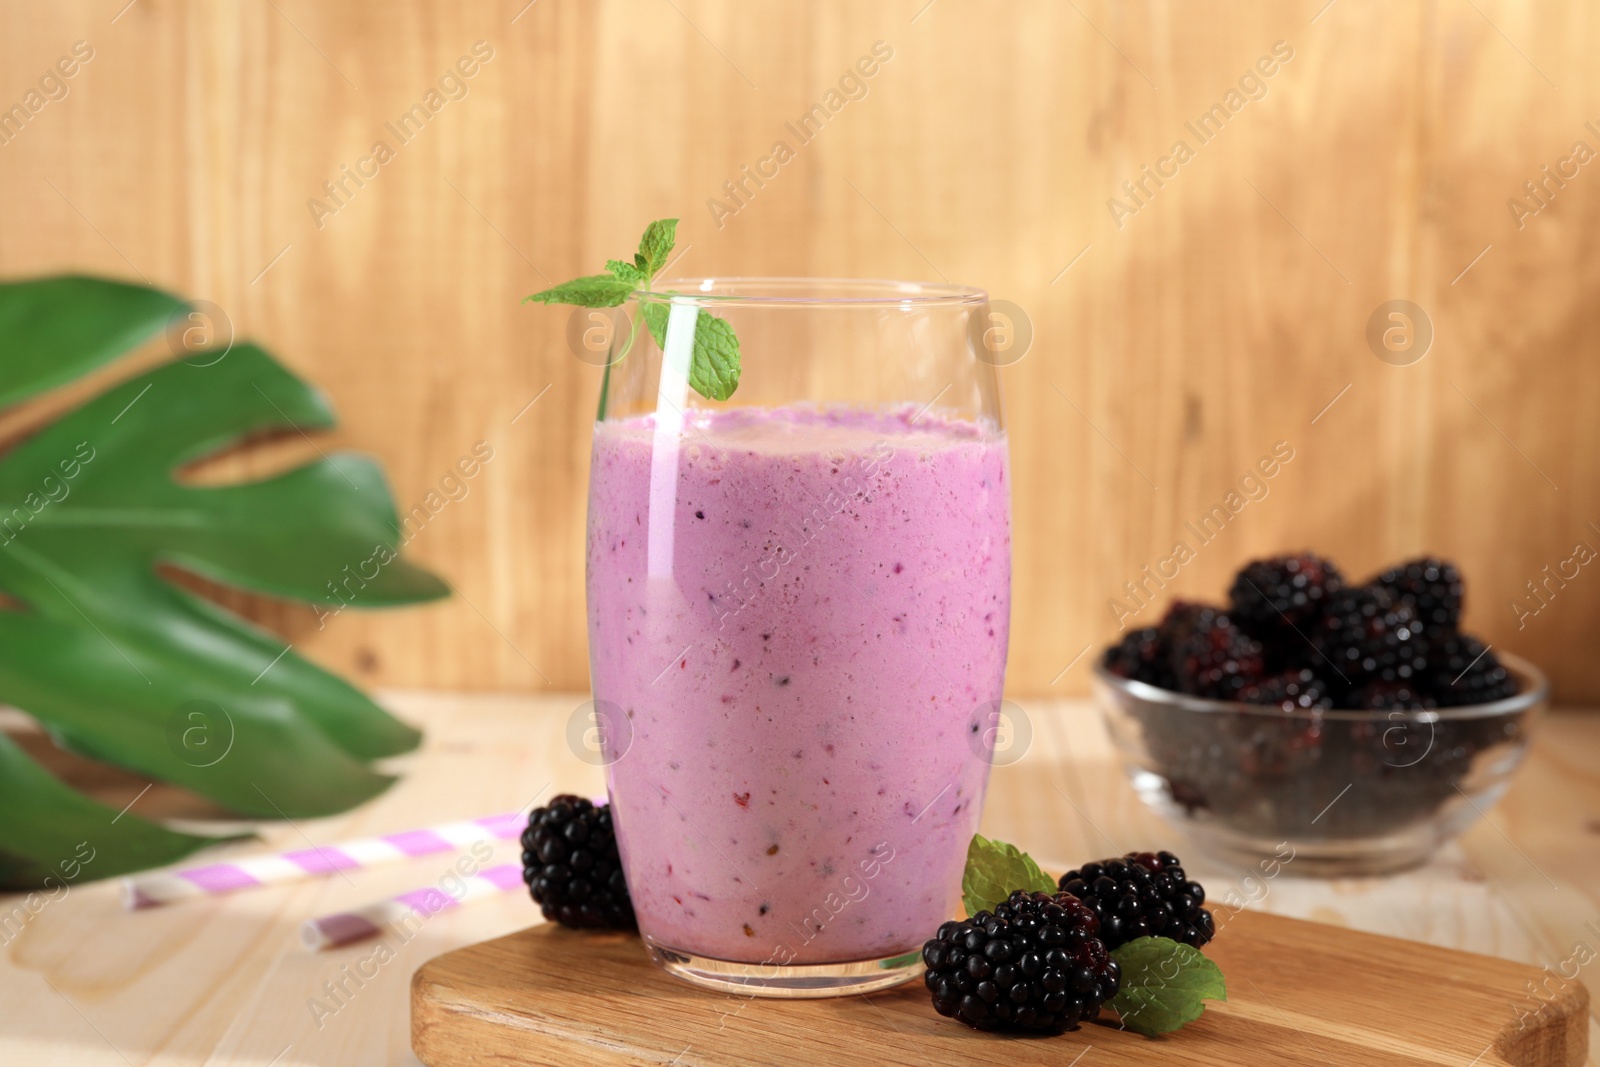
(791,981)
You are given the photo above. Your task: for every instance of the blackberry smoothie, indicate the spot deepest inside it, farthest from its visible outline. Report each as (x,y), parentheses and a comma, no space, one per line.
(798,617)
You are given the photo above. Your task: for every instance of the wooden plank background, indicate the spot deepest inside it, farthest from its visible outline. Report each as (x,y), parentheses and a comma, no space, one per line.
(1174,344)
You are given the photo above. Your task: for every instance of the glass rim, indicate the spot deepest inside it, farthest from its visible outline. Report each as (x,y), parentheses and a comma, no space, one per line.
(797,292)
(1534,692)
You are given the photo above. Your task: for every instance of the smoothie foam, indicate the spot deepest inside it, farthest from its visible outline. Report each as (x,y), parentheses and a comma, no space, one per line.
(800,616)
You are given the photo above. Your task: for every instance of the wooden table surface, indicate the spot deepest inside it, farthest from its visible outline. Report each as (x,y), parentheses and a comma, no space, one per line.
(227,982)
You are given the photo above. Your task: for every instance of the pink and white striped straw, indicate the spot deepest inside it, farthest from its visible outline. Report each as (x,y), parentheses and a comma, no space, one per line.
(150,890)
(371,921)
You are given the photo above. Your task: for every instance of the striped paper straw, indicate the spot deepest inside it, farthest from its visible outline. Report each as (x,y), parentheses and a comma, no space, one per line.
(149,890)
(372,920)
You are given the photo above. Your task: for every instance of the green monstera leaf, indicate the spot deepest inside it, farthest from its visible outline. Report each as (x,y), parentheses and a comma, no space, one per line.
(123,666)
(54,330)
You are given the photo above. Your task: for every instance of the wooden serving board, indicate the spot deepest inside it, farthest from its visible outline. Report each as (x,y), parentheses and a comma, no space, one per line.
(1299,993)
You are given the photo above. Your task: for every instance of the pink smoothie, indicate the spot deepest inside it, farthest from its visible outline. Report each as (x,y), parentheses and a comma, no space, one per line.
(800,615)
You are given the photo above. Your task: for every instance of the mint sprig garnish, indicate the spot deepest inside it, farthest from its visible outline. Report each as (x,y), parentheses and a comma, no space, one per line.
(714,364)
(1165,984)
(994,869)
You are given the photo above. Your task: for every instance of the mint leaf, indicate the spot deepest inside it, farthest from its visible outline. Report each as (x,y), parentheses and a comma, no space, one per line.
(1164,985)
(594,291)
(628,272)
(994,869)
(656,245)
(714,366)
(714,370)
(655,318)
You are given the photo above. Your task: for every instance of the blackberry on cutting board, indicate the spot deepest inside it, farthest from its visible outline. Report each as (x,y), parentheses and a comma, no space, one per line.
(1208,654)
(570,865)
(1282,593)
(1142,894)
(1367,634)
(1034,963)
(1432,587)
(1141,656)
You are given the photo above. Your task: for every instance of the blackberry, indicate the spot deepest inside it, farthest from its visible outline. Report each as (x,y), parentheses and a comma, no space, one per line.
(1209,656)
(1280,752)
(1141,656)
(1299,690)
(1432,587)
(1466,672)
(1034,963)
(1391,696)
(1142,894)
(1369,635)
(1283,592)
(570,865)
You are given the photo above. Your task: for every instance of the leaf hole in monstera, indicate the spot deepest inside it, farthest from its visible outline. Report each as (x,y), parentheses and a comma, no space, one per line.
(254,457)
(288,618)
(111,786)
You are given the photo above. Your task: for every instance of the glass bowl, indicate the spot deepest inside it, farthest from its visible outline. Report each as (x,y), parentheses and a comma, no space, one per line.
(1350,792)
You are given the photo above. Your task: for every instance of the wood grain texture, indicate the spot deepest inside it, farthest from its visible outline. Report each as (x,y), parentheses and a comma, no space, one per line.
(1171,351)
(224,982)
(1298,993)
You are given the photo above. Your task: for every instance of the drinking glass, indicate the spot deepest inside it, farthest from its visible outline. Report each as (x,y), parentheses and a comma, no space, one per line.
(798,610)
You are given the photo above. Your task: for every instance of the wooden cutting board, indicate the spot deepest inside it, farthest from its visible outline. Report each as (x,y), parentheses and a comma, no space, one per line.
(1299,993)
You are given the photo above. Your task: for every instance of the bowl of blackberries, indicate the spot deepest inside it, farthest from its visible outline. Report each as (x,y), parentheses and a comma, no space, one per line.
(1354,723)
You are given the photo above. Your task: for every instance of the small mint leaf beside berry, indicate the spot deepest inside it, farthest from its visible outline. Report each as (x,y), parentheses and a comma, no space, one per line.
(994,869)
(1164,985)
